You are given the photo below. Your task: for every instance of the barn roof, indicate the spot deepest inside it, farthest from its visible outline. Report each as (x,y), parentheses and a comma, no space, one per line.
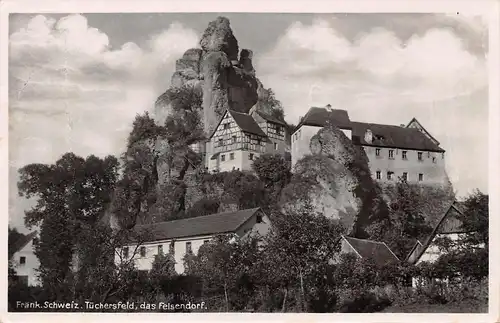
(379,252)
(227,222)
(393,137)
(449,223)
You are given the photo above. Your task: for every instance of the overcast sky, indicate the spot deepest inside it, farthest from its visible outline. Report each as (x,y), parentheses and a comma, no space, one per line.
(77,81)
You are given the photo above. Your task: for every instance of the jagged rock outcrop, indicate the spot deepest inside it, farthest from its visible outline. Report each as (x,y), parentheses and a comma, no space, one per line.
(226,76)
(335,180)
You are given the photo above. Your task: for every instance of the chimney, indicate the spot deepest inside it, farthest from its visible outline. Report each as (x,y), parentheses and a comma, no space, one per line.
(328,107)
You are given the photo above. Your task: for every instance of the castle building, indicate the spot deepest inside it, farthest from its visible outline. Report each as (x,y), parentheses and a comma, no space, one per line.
(239,138)
(408,152)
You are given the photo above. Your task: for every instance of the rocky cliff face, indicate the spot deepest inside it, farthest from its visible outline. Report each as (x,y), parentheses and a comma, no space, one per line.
(335,180)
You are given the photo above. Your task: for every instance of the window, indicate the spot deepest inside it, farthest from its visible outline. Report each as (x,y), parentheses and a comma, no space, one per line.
(405,176)
(278,129)
(275,146)
(172,248)
(295,136)
(391,154)
(22,260)
(434,160)
(143,251)
(125,252)
(206,241)
(226,125)
(234,139)
(188,247)
(221,142)
(259,218)
(222,157)
(377,152)
(419,155)
(403,154)
(231,156)
(160,249)
(389,175)
(420,177)
(250,156)
(378,174)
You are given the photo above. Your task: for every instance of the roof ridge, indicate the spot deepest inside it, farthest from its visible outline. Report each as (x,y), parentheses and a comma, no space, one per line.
(197,217)
(379,242)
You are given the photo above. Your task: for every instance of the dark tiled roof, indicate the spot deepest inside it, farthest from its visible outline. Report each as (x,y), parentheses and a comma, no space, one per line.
(379,252)
(393,137)
(22,242)
(414,120)
(247,123)
(226,222)
(271,118)
(319,116)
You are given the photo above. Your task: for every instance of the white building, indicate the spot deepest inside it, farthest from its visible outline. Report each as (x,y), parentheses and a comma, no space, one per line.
(179,237)
(309,125)
(24,260)
(408,152)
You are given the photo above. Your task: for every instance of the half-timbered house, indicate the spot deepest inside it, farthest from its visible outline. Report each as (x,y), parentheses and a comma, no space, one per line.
(274,128)
(235,143)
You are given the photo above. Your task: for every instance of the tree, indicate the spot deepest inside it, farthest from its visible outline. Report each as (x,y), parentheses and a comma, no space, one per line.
(298,247)
(406,224)
(213,264)
(184,126)
(144,128)
(274,171)
(268,104)
(475,218)
(71,194)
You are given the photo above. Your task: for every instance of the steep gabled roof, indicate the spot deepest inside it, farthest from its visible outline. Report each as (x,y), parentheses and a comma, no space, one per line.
(271,118)
(379,252)
(415,121)
(319,116)
(446,225)
(22,242)
(227,222)
(244,121)
(393,137)
(247,123)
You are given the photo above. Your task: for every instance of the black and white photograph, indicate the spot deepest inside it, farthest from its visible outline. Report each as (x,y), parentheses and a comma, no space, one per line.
(248,162)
